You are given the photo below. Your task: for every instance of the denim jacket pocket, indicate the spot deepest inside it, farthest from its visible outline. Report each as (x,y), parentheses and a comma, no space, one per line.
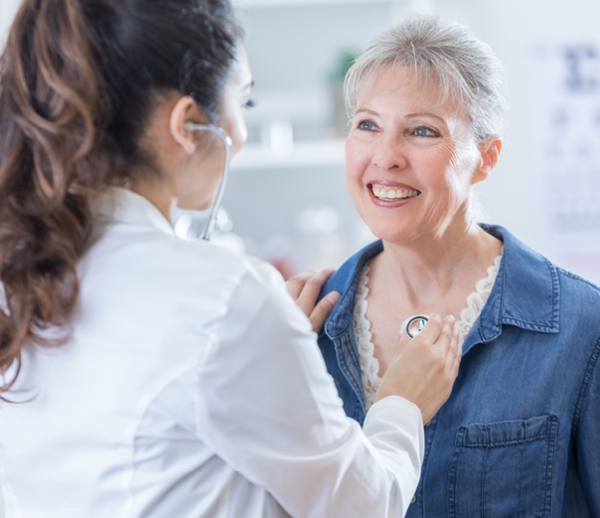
(503,469)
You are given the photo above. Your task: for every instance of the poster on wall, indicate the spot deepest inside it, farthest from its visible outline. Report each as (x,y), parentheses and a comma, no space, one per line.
(565,131)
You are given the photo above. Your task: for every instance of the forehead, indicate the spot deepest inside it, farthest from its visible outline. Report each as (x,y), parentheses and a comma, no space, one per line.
(403,88)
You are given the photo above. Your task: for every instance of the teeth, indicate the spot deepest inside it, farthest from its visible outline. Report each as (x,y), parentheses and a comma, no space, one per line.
(394,194)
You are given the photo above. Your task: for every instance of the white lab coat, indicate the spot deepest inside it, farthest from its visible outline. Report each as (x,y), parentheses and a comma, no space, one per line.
(192,386)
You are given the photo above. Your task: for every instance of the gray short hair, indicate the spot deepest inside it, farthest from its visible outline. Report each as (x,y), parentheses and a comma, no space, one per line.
(442,51)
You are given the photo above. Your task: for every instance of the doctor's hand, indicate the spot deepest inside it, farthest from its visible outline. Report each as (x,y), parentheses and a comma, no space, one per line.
(425,367)
(305,288)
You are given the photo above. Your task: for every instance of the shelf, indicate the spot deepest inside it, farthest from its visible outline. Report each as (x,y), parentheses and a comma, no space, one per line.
(325,153)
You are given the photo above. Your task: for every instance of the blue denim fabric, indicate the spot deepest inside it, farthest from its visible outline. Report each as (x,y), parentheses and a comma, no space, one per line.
(520,435)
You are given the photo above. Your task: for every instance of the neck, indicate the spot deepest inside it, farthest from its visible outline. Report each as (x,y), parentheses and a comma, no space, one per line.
(435,268)
(157,194)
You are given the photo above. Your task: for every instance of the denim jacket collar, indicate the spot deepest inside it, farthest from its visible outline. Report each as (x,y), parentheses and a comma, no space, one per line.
(345,282)
(525,293)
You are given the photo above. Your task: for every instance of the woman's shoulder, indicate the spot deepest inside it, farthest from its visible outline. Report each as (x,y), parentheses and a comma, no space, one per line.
(342,280)
(534,289)
(525,262)
(586,293)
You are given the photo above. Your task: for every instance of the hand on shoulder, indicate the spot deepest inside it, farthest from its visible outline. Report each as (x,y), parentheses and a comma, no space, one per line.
(305,288)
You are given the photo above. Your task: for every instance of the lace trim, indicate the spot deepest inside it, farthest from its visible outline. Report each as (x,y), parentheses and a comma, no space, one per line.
(476,301)
(369,365)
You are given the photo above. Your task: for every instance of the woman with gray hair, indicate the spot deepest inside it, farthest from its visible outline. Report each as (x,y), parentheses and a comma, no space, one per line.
(520,434)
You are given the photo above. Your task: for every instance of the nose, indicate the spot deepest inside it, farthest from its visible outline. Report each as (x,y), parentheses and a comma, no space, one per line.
(390,153)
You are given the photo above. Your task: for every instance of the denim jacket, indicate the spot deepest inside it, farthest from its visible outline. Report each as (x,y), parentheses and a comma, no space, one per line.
(520,435)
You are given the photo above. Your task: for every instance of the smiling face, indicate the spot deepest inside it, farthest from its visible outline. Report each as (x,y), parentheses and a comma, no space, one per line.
(410,159)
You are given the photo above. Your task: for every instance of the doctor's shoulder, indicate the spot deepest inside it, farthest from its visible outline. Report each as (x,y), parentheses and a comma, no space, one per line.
(202,260)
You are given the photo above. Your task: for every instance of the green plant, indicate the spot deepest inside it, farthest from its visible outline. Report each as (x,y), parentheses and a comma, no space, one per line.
(344,61)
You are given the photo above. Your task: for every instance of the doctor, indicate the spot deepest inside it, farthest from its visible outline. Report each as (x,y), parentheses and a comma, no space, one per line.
(147,376)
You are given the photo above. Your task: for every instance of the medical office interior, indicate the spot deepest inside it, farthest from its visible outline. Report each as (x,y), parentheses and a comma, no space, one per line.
(286,201)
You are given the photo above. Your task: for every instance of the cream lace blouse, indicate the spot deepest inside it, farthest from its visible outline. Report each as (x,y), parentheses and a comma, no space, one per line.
(369,365)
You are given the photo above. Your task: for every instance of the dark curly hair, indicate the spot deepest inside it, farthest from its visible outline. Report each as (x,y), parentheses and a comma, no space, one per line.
(78,80)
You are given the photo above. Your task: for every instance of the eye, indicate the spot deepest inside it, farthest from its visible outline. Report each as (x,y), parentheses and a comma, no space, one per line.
(423,131)
(366,125)
(250,103)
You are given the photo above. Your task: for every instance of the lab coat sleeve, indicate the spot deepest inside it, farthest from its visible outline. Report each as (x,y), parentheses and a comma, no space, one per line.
(267,406)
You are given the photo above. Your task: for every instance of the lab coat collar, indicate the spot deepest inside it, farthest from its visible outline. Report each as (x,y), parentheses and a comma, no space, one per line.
(128,207)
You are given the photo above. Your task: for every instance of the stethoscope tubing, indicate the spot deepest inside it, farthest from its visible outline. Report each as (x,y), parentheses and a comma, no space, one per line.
(214,211)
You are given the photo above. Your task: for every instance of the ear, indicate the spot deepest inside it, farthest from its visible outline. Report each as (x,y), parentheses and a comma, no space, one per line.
(490,152)
(184,110)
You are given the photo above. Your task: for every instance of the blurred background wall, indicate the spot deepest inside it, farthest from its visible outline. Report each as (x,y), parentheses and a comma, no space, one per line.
(286,200)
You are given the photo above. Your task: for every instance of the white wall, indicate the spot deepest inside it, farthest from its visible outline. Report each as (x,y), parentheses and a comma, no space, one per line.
(8,8)
(510,26)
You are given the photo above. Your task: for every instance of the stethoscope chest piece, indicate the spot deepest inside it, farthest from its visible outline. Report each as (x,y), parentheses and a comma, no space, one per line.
(412,326)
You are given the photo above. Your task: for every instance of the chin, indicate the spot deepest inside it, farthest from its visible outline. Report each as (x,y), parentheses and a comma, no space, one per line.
(187,204)
(394,233)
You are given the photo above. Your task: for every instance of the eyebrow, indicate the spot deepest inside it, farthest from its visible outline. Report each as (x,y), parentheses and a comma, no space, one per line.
(367,111)
(410,115)
(426,114)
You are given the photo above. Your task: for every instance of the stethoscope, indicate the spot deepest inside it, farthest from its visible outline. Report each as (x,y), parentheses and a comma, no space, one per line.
(214,211)
(412,326)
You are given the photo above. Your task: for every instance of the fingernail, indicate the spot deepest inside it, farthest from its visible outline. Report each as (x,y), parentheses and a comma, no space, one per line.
(333,297)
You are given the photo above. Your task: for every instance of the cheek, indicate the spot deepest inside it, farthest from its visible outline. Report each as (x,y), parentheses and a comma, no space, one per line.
(357,160)
(234,123)
(446,171)
(239,133)
(461,171)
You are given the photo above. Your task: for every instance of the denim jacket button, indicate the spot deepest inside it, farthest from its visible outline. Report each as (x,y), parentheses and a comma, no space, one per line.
(414,499)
